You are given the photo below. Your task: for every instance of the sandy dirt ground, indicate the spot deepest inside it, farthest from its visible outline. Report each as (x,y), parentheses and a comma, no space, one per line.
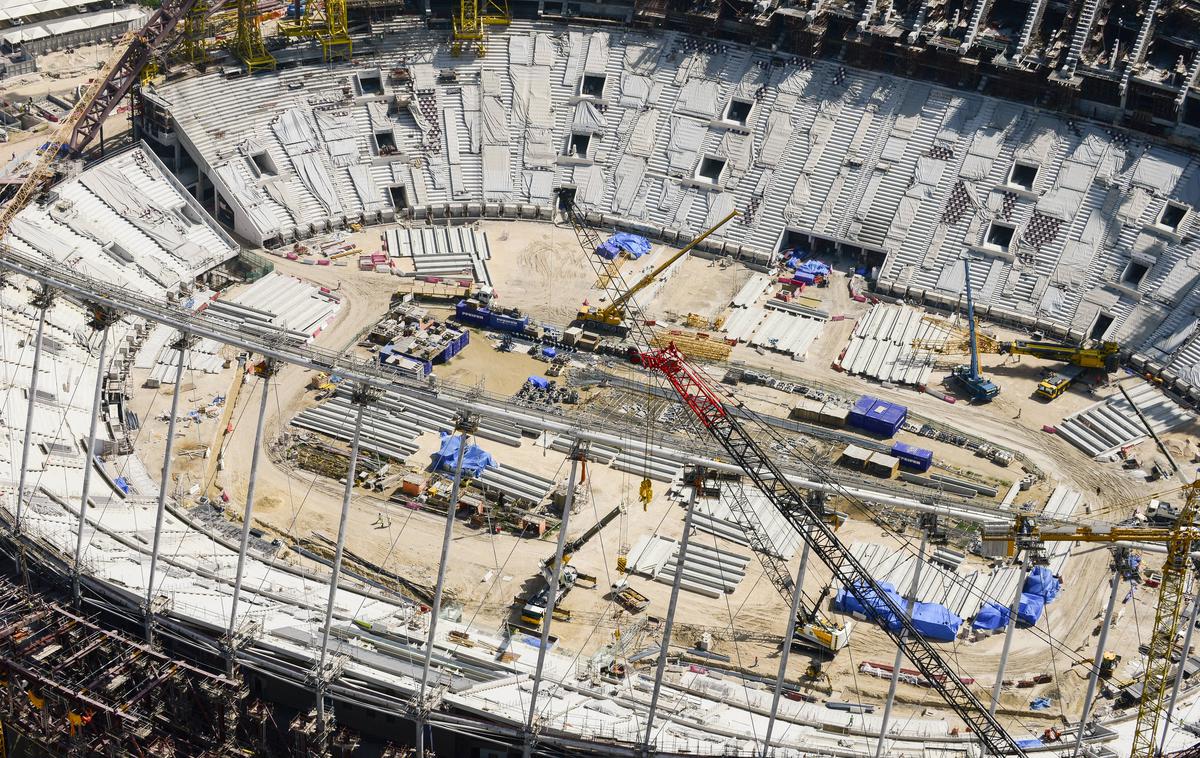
(60,73)
(538,267)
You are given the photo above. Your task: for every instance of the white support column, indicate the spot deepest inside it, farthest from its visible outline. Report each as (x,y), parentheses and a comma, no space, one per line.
(899,659)
(797,593)
(464,426)
(41,301)
(697,478)
(556,568)
(362,396)
(268,369)
(164,485)
(102,322)
(1094,679)
(1009,633)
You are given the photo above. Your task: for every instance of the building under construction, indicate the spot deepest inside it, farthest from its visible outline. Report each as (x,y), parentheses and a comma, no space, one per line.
(725,491)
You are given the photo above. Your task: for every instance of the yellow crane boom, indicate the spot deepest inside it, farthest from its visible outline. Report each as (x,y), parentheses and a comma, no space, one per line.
(613,314)
(1178,540)
(947,339)
(42,169)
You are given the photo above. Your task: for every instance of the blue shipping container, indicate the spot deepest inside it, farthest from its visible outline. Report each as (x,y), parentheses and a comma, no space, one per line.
(911,456)
(877,416)
(485,318)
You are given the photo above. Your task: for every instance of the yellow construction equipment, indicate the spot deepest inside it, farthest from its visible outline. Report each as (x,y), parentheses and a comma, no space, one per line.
(248,46)
(1172,591)
(948,339)
(612,315)
(197,33)
(325,21)
(41,171)
(471,23)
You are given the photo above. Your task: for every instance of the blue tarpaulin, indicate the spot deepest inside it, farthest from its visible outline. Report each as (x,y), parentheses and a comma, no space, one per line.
(991,616)
(876,608)
(1030,609)
(1029,742)
(935,621)
(549,352)
(1041,582)
(539,382)
(122,484)
(813,267)
(633,245)
(475,458)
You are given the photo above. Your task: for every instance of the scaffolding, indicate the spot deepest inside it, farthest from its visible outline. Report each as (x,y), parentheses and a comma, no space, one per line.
(73,687)
(471,23)
(328,23)
(249,46)
(197,33)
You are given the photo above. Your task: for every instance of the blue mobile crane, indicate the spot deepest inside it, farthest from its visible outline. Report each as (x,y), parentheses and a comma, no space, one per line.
(978,387)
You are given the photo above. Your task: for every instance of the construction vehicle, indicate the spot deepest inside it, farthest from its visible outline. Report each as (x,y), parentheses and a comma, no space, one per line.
(1108,664)
(1105,355)
(1054,384)
(1079,358)
(968,378)
(612,317)
(1172,583)
(534,610)
(627,596)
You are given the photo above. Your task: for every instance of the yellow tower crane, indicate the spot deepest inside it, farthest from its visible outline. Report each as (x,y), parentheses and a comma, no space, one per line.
(1178,540)
(471,23)
(248,46)
(197,33)
(327,22)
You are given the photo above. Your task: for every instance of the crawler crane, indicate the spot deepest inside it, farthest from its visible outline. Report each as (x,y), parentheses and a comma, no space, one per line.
(808,515)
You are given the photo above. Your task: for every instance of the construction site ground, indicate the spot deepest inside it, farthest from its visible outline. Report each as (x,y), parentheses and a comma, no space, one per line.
(59,73)
(538,267)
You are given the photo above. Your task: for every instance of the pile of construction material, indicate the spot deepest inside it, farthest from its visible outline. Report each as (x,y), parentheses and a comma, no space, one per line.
(716,515)
(442,251)
(881,346)
(1102,430)
(413,341)
(278,303)
(962,593)
(707,570)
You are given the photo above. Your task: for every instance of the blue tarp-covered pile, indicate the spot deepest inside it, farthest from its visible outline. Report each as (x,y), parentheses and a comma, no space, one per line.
(810,267)
(876,608)
(475,459)
(1042,582)
(935,621)
(1030,609)
(633,245)
(539,382)
(991,616)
